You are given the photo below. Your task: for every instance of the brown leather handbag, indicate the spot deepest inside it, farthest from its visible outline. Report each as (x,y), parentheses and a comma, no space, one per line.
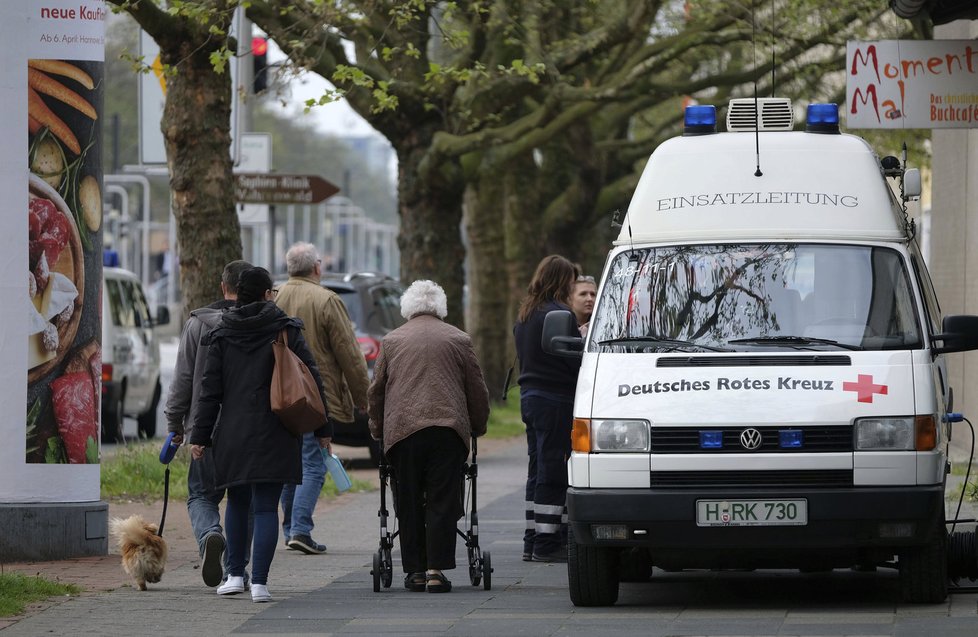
(295,396)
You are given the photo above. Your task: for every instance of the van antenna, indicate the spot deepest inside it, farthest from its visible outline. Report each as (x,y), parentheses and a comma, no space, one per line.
(757,115)
(907,219)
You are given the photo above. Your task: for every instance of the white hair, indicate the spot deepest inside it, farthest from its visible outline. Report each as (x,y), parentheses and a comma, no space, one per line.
(424,297)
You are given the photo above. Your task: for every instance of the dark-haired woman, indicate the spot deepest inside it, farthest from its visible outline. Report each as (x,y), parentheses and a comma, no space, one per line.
(547,385)
(254,454)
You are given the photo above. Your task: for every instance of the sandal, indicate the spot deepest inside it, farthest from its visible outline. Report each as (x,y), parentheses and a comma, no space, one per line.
(415,582)
(438,583)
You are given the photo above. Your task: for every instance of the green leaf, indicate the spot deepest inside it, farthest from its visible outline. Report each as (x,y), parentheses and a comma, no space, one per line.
(55,453)
(91,451)
(218,60)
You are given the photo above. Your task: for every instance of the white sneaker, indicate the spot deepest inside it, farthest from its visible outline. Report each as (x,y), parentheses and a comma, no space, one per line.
(233,586)
(259,593)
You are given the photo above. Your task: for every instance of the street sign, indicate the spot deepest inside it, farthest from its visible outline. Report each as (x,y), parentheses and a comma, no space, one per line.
(282,189)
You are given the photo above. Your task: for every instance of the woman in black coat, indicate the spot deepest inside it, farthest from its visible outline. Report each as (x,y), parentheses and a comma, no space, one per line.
(254,454)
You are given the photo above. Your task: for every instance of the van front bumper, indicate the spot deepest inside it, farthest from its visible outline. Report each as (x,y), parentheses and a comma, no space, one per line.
(839,519)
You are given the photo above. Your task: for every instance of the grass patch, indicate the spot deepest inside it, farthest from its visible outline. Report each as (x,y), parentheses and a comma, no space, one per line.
(136,473)
(17,590)
(504,417)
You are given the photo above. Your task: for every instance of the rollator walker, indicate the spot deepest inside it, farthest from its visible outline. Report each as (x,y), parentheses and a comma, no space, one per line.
(480,564)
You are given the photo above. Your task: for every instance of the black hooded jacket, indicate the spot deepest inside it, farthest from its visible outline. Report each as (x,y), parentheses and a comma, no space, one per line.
(234,413)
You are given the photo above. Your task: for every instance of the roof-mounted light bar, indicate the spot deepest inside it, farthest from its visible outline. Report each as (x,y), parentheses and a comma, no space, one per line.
(822,118)
(700,119)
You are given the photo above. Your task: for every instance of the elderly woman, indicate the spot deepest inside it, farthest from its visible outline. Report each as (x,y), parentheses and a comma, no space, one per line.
(426,401)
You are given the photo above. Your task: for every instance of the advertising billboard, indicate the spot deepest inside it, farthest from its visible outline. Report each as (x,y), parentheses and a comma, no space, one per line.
(912,84)
(52,179)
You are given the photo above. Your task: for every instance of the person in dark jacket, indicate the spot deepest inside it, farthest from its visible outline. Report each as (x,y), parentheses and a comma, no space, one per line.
(254,454)
(203,498)
(547,386)
(427,400)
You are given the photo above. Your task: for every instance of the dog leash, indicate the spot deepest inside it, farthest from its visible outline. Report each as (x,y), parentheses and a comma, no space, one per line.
(166,455)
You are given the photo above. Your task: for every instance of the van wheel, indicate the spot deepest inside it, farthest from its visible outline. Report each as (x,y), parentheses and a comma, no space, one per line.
(923,570)
(592,573)
(112,421)
(147,419)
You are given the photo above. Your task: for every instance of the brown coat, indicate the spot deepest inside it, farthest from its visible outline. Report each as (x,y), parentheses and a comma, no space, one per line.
(329,334)
(427,375)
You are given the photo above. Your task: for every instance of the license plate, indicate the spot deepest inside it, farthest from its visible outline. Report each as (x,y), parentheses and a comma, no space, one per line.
(751,512)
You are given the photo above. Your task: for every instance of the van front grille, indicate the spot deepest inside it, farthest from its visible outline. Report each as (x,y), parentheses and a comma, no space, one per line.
(814,439)
(740,479)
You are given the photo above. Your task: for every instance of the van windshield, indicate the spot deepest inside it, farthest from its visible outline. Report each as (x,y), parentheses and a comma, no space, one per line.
(751,297)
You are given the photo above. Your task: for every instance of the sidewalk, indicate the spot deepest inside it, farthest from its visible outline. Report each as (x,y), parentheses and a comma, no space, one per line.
(348,525)
(332,594)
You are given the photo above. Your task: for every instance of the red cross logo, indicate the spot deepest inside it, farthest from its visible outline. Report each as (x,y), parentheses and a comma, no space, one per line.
(865,388)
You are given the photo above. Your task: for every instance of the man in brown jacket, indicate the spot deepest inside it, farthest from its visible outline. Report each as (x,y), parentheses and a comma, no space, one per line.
(427,400)
(329,334)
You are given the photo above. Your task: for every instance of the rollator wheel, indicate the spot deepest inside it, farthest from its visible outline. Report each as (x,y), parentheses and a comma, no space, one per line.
(475,574)
(387,568)
(486,571)
(375,571)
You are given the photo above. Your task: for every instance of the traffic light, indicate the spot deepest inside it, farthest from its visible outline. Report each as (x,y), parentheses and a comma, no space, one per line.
(259,52)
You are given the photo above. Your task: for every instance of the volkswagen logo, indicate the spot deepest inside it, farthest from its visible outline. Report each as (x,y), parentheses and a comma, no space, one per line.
(750,438)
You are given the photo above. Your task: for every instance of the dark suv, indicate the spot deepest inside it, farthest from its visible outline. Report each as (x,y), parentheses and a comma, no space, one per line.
(374,304)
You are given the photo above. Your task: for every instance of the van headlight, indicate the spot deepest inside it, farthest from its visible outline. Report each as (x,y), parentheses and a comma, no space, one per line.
(620,435)
(884,434)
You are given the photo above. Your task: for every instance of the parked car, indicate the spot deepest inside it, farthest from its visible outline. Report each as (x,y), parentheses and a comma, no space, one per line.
(374,304)
(130,355)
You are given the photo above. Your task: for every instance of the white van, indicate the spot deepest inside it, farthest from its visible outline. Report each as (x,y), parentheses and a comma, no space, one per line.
(130,355)
(763,382)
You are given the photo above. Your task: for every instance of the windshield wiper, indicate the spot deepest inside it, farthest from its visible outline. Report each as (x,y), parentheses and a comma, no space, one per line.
(655,340)
(795,340)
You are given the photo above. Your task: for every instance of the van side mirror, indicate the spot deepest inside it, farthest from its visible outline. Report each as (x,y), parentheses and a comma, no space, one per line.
(162,315)
(561,336)
(911,183)
(959,334)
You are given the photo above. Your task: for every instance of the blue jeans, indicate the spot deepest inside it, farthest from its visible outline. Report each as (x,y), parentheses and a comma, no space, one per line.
(262,497)
(299,501)
(204,502)
(203,499)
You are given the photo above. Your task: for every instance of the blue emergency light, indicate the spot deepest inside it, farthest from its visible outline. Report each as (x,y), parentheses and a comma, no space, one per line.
(822,118)
(791,438)
(700,119)
(711,439)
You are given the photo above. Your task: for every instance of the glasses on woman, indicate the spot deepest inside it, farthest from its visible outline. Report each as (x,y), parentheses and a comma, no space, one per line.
(585,279)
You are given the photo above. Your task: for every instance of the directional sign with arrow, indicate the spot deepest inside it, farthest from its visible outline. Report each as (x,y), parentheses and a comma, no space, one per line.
(271,188)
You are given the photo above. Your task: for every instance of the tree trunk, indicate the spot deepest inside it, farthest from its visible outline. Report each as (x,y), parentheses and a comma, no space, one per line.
(196,128)
(430,206)
(504,242)
(488,317)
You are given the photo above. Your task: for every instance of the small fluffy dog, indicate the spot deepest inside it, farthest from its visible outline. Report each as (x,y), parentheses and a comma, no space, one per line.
(143,551)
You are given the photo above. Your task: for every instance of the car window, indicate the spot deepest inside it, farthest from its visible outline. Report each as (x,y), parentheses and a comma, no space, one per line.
(931,306)
(120,310)
(349,298)
(134,318)
(140,306)
(719,295)
(387,301)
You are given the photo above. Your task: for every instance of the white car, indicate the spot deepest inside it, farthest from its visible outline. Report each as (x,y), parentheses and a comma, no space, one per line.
(130,355)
